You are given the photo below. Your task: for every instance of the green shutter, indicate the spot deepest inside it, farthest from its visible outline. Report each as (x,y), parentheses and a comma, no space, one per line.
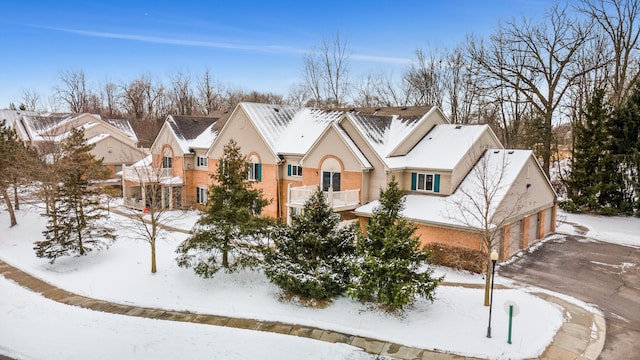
(436,183)
(414,180)
(289,170)
(259,172)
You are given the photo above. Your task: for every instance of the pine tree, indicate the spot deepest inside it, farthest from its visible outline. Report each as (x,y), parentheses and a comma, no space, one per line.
(390,267)
(589,169)
(229,235)
(10,152)
(73,227)
(311,255)
(623,185)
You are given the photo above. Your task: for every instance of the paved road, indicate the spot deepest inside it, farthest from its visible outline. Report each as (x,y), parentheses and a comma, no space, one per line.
(603,274)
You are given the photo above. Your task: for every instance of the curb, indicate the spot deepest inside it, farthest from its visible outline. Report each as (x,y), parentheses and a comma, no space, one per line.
(576,338)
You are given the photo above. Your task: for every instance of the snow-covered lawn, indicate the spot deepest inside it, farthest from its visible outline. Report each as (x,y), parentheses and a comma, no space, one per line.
(456,321)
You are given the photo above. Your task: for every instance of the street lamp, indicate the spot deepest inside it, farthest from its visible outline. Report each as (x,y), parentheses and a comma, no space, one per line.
(494,258)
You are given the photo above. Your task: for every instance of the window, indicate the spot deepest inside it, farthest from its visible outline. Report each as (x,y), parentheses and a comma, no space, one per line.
(202,161)
(294,170)
(330,180)
(167,162)
(425,182)
(201,195)
(254,169)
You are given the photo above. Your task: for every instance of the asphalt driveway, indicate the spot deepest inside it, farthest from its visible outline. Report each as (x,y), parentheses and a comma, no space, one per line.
(606,275)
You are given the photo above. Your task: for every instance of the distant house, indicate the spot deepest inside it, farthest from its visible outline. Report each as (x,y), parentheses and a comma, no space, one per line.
(178,162)
(115,141)
(352,153)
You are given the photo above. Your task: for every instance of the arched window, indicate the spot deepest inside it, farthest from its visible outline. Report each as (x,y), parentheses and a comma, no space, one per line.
(331,174)
(167,159)
(254,169)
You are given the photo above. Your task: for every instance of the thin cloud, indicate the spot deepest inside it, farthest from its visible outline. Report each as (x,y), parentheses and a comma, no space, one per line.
(218,45)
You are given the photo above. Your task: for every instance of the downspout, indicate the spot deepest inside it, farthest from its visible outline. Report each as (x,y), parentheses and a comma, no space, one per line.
(278,187)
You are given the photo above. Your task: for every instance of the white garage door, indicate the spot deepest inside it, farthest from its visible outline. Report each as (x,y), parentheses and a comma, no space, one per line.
(548,220)
(533,228)
(515,237)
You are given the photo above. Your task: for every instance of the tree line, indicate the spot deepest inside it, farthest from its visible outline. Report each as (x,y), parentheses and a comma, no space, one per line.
(523,79)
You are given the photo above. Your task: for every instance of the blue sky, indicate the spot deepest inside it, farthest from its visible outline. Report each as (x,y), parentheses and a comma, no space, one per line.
(254,45)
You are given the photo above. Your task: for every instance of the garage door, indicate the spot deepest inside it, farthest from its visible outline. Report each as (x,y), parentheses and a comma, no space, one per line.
(515,237)
(533,228)
(548,220)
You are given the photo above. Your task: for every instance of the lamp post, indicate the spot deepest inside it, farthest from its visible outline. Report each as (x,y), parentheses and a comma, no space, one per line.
(494,258)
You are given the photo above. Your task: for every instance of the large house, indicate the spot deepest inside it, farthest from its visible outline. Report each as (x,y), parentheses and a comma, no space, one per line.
(178,164)
(351,154)
(115,141)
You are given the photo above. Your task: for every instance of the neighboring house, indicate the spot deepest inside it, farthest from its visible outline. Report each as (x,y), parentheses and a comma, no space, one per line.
(352,153)
(114,139)
(178,164)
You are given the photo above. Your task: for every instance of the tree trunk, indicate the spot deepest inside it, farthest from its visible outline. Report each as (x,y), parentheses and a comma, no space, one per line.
(153,255)
(16,200)
(12,214)
(225,258)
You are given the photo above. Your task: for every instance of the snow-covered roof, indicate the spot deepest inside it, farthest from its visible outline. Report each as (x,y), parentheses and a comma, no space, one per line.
(354,148)
(289,129)
(441,149)
(123,125)
(445,210)
(145,161)
(194,131)
(97,138)
(383,133)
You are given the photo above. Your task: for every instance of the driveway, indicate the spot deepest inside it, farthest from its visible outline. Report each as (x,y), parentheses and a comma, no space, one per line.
(603,274)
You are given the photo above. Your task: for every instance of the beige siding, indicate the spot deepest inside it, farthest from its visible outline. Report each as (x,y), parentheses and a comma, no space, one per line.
(164,138)
(528,199)
(115,152)
(331,144)
(445,181)
(486,141)
(376,178)
(242,130)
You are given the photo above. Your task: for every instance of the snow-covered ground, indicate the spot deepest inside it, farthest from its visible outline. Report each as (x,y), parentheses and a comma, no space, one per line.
(37,328)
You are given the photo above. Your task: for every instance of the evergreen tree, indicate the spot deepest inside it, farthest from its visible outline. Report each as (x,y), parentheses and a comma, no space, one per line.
(11,151)
(311,255)
(73,227)
(229,235)
(623,159)
(590,150)
(390,267)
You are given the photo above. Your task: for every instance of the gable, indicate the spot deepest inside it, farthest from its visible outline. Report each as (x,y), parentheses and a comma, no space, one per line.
(165,137)
(240,128)
(429,120)
(331,142)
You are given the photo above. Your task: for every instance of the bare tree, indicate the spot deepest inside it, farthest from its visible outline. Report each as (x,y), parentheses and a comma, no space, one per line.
(110,94)
(31,100)
(479,204)
(424,78)
(326,73)
(73,91)
(181,94)
(541,63)
(151,223)
(618,19)
(209,94)
(298,95)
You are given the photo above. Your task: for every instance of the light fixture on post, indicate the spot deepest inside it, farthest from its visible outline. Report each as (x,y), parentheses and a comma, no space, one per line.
(494,258)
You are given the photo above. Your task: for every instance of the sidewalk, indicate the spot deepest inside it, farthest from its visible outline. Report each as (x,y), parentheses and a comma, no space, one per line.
(580,337)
